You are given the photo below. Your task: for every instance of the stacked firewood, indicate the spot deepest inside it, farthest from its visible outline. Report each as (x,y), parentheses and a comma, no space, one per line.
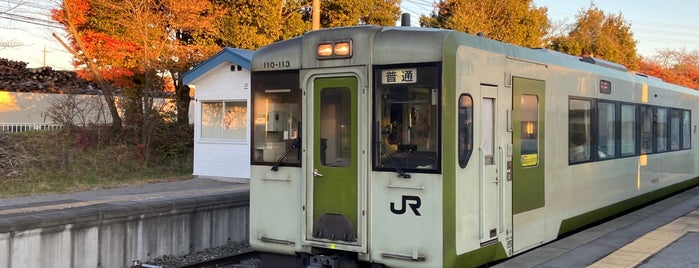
(15,76)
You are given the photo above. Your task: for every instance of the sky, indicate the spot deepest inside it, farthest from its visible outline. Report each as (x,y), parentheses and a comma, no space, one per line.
(656,25)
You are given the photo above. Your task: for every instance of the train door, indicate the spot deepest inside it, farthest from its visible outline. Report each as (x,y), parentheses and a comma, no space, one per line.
(489,181)
(332,195)
(528,194)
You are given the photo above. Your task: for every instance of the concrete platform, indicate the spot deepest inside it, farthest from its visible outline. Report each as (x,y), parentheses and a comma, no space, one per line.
(663,234)
(113,227)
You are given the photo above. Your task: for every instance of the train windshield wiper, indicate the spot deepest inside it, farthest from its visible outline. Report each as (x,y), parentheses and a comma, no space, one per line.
(401,172)
(294,145)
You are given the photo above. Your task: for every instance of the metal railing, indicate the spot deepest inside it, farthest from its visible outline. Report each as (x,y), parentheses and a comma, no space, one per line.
(22,127)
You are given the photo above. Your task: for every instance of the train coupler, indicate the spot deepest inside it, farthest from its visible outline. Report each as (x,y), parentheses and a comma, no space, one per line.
(331,261)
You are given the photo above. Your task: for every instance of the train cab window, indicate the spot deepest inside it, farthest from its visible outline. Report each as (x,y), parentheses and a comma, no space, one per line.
(686,130)
(675,118)
(606,130)
(276,118)
(579,130)
(646,129)
(661,129)
(628,130)
(465,129)
(406,116)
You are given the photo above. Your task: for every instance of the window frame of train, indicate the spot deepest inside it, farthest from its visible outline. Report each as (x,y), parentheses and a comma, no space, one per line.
(579,151)
(686,129)
(279,92)
(604,151)
(634,130)
(660,126)
(416,102)
(674,126)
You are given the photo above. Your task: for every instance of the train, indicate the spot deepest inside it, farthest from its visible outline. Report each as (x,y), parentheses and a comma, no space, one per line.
(399,146)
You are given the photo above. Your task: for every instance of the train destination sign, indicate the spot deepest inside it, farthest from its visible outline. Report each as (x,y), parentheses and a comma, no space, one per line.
(399,76)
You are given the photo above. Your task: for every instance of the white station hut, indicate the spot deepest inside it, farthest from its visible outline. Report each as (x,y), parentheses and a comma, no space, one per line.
(221,100)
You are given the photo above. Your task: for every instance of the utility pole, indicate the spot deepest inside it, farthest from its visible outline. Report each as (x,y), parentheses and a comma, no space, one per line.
(315,13)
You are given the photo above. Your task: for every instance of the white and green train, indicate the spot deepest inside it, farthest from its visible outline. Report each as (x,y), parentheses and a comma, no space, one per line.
(413,147)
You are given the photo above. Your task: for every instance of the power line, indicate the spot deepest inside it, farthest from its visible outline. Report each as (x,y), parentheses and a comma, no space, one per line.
(30,20)
(424,5)
(30,13)
(28,4)
(416,9)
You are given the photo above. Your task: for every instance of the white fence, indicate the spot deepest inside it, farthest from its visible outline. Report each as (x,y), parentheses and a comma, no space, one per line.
(22,111)
(22,127)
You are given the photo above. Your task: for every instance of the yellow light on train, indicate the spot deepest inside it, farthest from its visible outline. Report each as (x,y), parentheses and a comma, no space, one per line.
(337,49)
(325,50)
(342,49)
(530,128)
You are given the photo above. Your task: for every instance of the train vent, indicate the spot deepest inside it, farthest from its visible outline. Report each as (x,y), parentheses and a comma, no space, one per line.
(648,76)
(605,63)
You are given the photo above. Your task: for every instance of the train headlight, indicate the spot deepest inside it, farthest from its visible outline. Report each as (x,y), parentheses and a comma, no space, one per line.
(325,50)
(334,50)
(343,49)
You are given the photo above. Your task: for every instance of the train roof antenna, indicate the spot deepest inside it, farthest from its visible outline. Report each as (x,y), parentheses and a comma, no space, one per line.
(405,20)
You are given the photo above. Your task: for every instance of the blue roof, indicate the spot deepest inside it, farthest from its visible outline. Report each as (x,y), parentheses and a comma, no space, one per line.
(240,57)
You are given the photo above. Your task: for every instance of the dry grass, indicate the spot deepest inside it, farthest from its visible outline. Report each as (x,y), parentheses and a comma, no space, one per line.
(33,163)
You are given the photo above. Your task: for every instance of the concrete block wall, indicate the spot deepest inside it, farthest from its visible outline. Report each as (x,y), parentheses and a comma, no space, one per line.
(113,235)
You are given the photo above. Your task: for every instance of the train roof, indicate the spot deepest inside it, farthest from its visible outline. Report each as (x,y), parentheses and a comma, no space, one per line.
(391,45)
(551,57)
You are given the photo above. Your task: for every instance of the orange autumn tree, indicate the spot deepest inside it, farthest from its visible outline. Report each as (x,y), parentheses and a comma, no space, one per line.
(677,66)
(171,37)
(135,43)
(94,52)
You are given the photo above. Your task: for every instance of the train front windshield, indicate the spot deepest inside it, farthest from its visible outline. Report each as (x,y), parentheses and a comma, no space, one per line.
(276,135)
(406,116)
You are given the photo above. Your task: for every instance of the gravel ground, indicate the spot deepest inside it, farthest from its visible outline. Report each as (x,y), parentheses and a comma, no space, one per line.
(204,255)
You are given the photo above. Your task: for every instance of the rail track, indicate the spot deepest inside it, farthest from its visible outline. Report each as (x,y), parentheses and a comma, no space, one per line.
(246,259)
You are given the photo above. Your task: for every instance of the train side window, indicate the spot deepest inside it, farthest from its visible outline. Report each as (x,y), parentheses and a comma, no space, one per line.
(646,129)
(579,130)
(628,130)
(661,129)
(686,129)
(465,129)
(606,130)
(675,119)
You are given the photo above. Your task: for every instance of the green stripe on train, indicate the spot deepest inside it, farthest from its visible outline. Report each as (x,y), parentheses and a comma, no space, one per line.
(582,220)
(481,256)
(448,152)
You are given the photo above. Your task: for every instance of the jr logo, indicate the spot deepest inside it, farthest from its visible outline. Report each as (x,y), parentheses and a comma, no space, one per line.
(409,200)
